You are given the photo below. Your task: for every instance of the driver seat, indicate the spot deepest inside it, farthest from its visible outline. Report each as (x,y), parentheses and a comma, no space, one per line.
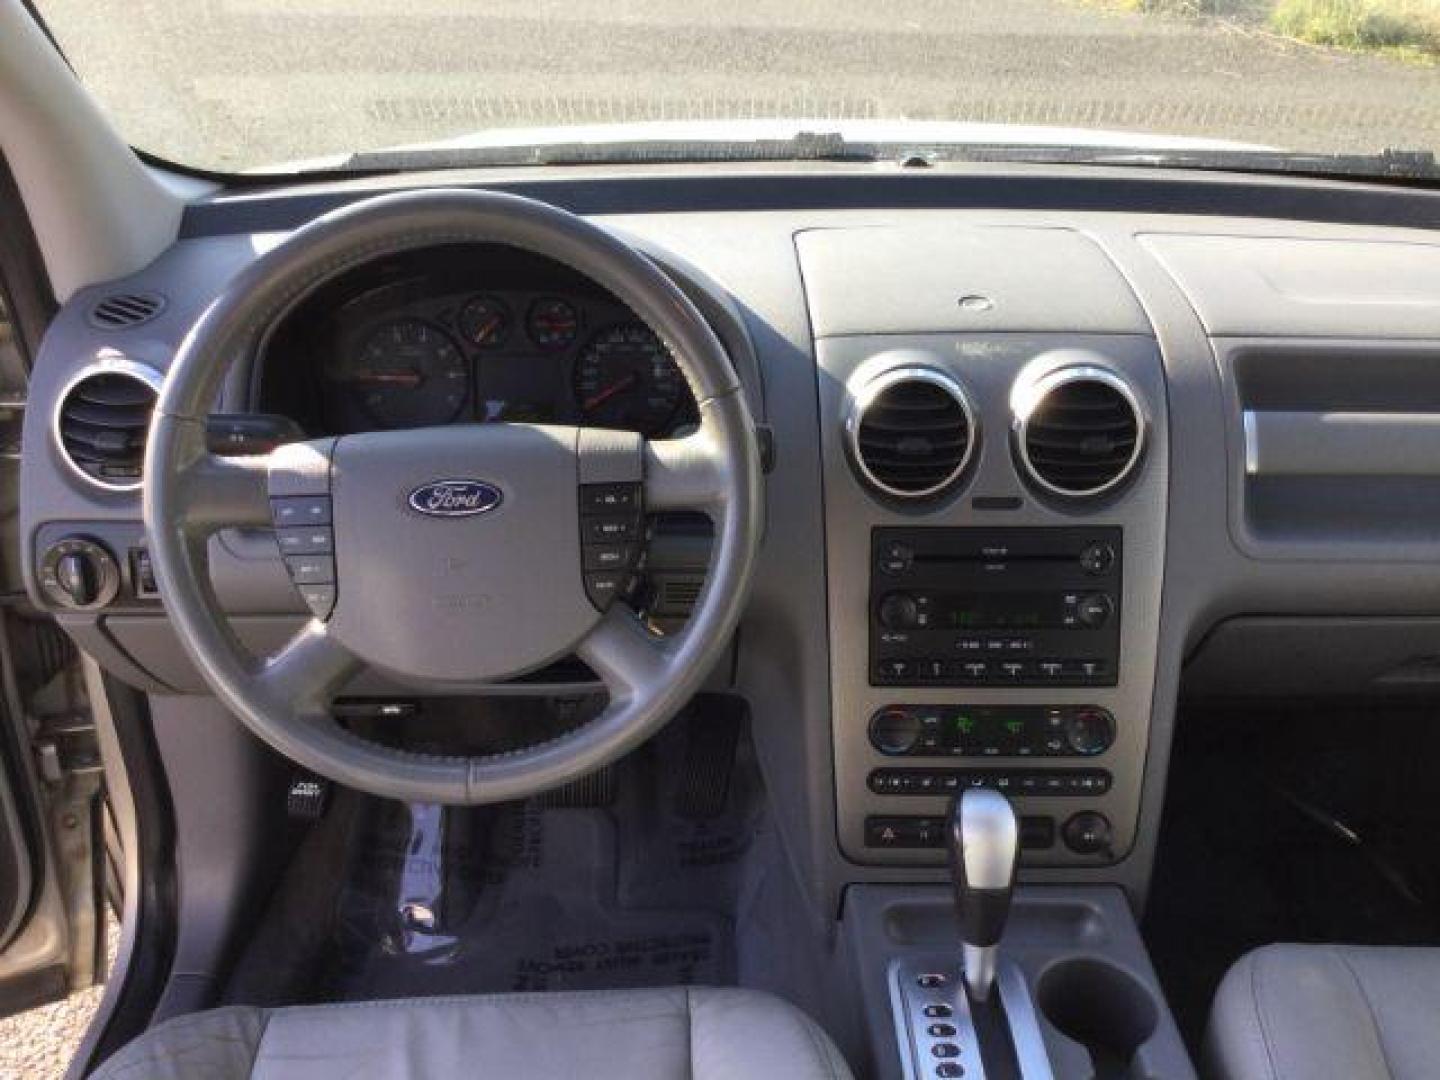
(662,1034)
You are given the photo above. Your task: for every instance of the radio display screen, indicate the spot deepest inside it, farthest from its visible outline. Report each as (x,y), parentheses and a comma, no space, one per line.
(996,611)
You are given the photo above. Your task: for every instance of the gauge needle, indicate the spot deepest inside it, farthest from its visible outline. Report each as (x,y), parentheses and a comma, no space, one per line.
(594,401)
(397,378)
(487,328)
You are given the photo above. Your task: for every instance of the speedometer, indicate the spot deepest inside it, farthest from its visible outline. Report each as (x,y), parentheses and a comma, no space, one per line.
(625,378)
(409,373)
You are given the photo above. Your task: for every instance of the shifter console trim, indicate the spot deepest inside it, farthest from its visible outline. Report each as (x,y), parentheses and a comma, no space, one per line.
(909,1000)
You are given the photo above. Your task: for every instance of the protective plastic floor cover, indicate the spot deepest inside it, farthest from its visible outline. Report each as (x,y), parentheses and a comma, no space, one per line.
(556,914)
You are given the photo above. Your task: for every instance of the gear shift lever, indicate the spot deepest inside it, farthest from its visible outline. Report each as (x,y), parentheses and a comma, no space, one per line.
(984,841)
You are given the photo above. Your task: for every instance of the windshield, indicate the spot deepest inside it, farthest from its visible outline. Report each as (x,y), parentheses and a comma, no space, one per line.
(233,85)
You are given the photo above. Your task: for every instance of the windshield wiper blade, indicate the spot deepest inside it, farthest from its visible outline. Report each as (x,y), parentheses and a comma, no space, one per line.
(803,146)
(830,146)
(1389,164)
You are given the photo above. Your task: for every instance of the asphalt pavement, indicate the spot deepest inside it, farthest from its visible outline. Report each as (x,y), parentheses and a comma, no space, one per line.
(234,83)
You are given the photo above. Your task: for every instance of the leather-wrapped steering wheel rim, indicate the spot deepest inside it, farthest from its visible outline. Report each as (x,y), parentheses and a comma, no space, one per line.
(285,699)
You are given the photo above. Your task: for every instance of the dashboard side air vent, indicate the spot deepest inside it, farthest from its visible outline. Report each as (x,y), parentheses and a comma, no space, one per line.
(102,422)
(1079,431)
(121,311)
(911,432)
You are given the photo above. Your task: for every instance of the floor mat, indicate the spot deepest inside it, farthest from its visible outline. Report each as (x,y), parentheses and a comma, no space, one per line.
(549,918)
(530,896)
(1287,826)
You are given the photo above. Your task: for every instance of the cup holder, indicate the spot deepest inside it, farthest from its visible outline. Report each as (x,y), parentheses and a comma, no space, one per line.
(1102,1007)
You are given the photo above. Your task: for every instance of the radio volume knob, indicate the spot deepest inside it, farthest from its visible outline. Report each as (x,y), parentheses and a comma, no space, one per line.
(899,611)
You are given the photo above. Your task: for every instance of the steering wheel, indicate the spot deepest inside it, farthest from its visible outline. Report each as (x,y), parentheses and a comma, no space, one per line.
(459,553)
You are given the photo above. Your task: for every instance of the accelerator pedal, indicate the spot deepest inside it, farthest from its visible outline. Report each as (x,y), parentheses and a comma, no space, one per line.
(712,734)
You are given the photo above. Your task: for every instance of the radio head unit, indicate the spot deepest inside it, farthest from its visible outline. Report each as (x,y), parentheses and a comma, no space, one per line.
(995,607)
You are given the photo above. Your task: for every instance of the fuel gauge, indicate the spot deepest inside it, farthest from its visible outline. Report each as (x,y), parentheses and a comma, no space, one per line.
(484,322)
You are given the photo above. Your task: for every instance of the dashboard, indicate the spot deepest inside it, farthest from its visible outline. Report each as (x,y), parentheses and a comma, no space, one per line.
(470,335)
(1262,357)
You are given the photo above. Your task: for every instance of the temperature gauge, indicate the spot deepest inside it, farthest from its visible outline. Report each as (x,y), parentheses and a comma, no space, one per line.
(553,324)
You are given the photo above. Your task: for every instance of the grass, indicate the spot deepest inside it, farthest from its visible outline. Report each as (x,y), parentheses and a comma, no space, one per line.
(1403,29)
(1406,28)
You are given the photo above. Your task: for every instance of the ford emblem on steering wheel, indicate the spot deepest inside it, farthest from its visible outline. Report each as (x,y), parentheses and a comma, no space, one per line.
(454,498)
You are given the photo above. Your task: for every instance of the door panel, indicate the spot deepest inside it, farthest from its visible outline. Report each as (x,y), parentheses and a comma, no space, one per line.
(49,915)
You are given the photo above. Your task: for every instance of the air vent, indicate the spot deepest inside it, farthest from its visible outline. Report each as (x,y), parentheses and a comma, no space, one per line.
(1079,431)
(103,420)
(120,311)
(677,596)
(911,432)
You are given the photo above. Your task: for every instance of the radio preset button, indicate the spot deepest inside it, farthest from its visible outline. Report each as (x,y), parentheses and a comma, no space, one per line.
(894,670)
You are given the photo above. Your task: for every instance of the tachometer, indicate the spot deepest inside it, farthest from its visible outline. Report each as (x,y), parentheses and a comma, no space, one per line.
(409,373)
(625,378)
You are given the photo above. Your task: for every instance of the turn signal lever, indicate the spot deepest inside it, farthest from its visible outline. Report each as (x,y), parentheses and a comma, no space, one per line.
(984,841)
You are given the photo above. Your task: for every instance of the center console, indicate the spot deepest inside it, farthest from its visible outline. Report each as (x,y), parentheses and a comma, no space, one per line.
(995,456)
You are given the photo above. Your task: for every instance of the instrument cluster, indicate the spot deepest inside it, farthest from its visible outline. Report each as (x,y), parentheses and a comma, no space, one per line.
(400,357)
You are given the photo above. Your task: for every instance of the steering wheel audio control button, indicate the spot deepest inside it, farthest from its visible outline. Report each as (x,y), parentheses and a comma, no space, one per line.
(603,588)
(611,523)
(608,498)
(610,530)
(608,556)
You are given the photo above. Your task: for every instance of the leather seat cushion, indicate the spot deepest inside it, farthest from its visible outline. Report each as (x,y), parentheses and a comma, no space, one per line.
(668,1034)
(1287,1012)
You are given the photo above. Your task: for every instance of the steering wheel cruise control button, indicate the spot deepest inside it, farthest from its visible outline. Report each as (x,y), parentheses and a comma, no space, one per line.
(320,599)
(318,540)
(303,531)
(311,569)
(301,510)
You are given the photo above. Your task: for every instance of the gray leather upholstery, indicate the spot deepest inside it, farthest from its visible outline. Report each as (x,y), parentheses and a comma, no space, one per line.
(670,1034)
(1308,1012)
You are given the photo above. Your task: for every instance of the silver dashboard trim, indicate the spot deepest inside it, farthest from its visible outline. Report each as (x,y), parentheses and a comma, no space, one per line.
(109,363)
(864,397)
(1027,394)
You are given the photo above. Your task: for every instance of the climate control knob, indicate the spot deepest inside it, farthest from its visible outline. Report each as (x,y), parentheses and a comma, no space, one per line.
(1090,731)
(894,731)
(78,573)
(899,611)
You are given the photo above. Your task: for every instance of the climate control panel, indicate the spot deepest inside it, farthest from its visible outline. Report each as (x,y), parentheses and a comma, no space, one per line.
(992,730)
